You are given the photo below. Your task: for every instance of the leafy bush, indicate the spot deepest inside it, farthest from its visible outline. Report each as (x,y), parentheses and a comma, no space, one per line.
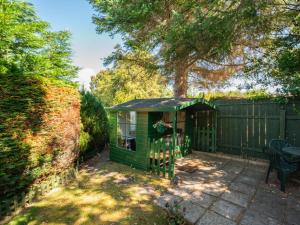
(94,132)
(84,139)
(39,104)
(39,130)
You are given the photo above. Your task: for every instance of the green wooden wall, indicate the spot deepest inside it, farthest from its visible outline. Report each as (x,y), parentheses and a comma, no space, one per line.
(139,158)
(246,127)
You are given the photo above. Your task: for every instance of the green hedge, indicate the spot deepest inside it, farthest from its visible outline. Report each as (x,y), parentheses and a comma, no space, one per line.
(39,131)
(94,125)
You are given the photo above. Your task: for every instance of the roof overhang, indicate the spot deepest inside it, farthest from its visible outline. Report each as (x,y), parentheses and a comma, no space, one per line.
(163,105)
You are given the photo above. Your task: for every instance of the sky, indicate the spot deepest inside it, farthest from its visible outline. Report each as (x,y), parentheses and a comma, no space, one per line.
(89,48)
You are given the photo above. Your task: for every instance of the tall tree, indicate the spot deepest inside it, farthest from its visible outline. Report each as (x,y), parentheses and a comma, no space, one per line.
(192,39)
(277,60)
(28,46)
(128,80)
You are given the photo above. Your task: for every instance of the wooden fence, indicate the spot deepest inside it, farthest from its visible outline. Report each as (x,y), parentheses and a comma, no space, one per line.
(162,157)
(246,127)
(10,207)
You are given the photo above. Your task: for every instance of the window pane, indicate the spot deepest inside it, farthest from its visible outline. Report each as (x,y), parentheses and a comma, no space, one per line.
(122,141)
(133,117)
(132,132)
(127,130)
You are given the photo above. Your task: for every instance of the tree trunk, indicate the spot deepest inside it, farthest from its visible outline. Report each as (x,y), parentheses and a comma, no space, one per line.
(181,79)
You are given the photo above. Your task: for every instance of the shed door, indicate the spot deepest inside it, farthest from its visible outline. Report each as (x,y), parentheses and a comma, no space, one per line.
(204,131)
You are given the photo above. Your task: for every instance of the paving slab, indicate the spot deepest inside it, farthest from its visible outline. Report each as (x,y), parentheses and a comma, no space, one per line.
(293,217)
(248,180)
(243,188)
(190,211)
(202,199)
(214,188)
(167,201)
(237,198)
(255,173)
(227,209)
(212,218)
(293,211)
(182,192)
(270,203)
(230,192)
(193,179)
(233,167)
(253,217)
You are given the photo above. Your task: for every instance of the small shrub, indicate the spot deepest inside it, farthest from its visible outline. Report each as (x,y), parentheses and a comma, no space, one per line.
(94,130)
(84,139)
(175,217)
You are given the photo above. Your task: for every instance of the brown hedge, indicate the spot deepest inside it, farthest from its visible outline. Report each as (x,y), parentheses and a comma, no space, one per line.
(39,130)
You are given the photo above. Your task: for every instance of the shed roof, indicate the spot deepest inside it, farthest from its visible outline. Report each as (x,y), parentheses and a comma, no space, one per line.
(163,105)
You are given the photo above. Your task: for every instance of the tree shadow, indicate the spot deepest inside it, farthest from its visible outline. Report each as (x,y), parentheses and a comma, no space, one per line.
(98,197)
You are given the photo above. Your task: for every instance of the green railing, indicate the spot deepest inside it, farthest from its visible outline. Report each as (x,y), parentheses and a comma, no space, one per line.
(185,147)
(163,155)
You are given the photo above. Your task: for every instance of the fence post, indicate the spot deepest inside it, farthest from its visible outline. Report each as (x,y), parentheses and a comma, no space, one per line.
(282,124)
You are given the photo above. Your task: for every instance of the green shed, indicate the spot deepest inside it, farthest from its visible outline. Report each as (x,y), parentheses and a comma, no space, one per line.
(149,134)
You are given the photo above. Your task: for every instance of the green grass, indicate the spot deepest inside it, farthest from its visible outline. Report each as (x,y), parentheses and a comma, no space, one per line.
(96,197)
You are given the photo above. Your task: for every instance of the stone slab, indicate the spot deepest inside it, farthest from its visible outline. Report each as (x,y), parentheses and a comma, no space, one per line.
(237,198)
(244,188)
(212,218)
(203,199)
(227,209)
(215,188)
(293,217)
(190,211)
(248,180)
(182,192)
(293,211)
(271,204)
(167,201)
(253,217)
(233,167)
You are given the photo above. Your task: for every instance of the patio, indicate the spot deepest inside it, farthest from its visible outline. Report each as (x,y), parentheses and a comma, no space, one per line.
(217,189)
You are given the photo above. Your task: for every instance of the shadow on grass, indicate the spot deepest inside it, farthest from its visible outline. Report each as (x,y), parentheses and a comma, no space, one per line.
(112,194)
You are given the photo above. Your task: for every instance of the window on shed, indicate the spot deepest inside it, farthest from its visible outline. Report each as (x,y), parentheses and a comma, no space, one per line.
(127,130)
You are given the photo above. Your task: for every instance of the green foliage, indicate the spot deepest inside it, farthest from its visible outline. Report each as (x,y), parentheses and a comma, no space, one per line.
(175,217)
(39,106)
(31,137)
(28,47)
(95,128)
(128,80)
(84,139)
(277,61)
(205,40)
(249,95)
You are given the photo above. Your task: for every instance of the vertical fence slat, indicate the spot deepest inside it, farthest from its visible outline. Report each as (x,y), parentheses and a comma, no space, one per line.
(164,158)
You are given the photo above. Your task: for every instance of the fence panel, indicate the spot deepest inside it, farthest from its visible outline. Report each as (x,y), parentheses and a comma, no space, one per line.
(247,126)
(162,157)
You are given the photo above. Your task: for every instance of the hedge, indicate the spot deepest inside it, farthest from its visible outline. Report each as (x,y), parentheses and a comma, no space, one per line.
(39,131)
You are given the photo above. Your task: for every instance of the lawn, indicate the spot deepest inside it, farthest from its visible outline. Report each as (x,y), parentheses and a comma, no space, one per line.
(108,194)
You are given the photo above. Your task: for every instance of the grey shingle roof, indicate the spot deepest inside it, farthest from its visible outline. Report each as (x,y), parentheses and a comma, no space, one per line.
(162,104)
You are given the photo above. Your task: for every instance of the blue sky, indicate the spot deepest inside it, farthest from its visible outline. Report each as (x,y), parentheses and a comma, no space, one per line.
(76,16)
